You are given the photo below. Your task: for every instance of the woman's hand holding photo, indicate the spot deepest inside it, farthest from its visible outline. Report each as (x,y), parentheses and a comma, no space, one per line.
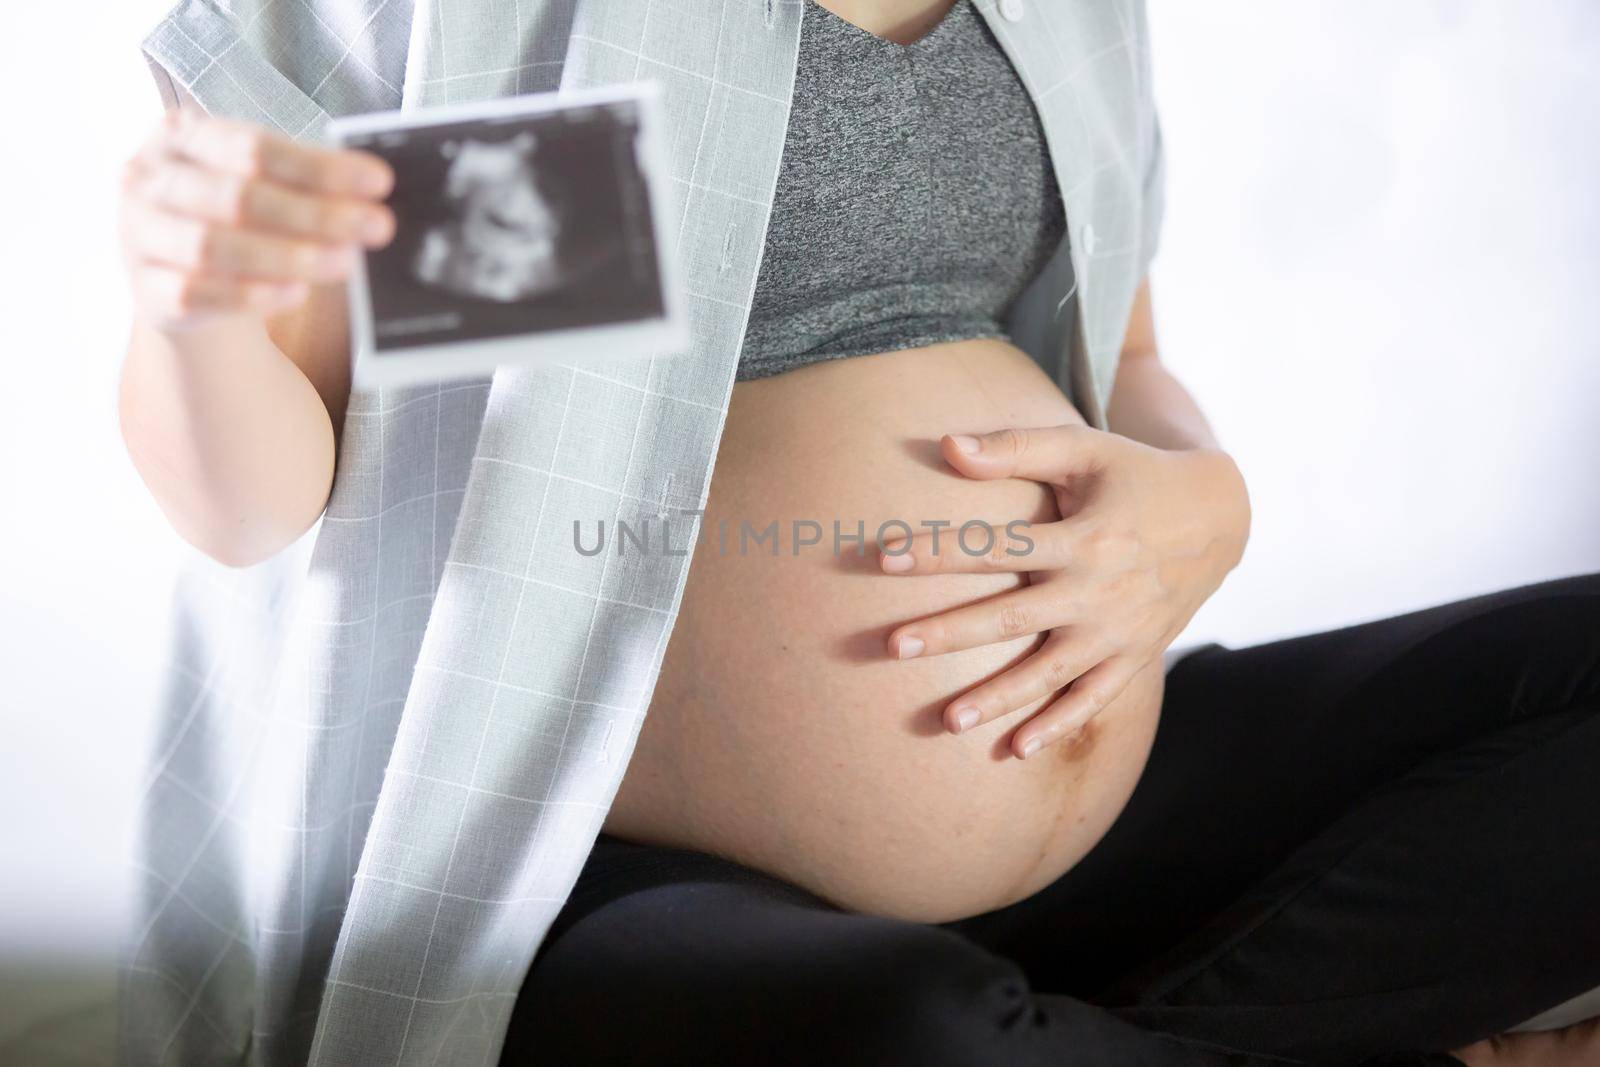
(1146,536)
(225,217)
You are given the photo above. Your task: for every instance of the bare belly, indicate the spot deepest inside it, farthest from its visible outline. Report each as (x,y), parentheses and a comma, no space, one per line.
(781,734)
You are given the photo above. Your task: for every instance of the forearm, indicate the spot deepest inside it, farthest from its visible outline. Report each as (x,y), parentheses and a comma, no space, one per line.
(232,439)
(1151,406)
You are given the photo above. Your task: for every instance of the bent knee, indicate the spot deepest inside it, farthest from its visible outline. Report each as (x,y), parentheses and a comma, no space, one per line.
(1530,650)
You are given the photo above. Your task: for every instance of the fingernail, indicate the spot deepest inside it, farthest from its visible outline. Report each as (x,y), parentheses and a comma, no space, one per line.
(898,564)
(909,647)
(967,443)
(1031,747)
(966,719)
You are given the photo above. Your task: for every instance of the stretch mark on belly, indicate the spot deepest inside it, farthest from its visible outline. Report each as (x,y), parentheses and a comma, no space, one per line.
(1029,879)
(1081,745)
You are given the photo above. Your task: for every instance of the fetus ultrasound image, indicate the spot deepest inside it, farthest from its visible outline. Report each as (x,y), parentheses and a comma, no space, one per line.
(513,225)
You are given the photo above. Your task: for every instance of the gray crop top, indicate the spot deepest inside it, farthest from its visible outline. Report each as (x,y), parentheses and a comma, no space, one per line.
(915,199)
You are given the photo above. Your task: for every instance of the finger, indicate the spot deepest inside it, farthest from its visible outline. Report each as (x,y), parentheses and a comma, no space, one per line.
(1058,663)
(248,150)
(191,244)
(1084,699)
(165,294)
(979,548)
(189,189)
(1050,454)
(1030,610)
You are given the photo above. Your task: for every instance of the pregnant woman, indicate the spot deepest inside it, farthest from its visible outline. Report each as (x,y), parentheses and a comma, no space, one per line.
(932,799)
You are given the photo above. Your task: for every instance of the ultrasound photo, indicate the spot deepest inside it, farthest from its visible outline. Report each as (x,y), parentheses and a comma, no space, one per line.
(528,229)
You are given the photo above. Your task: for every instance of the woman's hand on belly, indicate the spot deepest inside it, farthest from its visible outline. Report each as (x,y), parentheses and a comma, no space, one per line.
(1146,536)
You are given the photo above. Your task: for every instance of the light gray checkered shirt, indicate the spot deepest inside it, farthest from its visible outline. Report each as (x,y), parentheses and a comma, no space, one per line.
(384,755)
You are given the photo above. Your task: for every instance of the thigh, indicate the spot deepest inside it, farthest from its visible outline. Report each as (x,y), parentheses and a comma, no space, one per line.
(1260,748)
(666,957)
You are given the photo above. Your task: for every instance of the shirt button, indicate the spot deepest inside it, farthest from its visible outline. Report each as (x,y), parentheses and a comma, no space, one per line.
(1012,10)
(1088,239)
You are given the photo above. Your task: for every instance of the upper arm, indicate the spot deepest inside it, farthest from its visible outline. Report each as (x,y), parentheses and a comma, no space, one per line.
(1139,338)
(1148,149)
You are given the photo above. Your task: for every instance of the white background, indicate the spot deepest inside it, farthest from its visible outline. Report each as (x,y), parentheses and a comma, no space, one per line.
(1379,275)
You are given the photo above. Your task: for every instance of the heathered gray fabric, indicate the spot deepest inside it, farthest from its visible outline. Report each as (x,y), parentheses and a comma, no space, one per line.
(916,197)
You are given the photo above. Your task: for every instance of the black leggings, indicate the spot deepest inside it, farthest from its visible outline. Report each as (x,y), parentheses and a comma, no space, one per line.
(1369,844)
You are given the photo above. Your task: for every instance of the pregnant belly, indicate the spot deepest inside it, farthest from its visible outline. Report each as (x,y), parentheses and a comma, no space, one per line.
(782,736)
